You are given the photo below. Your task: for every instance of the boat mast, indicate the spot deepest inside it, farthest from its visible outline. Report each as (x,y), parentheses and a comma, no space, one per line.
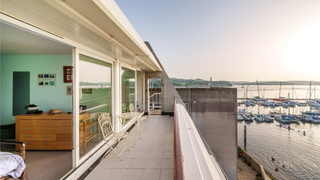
(280,90)
(310,91)
(247,92)
(258,89)
(292,92)
(314,94)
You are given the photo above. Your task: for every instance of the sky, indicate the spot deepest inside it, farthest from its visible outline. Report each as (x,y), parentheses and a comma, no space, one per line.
(232,40)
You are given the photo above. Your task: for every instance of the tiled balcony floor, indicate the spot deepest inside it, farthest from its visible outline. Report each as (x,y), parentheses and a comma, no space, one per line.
(150,159)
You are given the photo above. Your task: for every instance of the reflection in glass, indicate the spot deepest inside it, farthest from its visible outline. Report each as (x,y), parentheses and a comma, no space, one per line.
(94,98)
(128,90)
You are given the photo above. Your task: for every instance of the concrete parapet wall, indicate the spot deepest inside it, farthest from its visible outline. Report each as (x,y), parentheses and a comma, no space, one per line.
(253,163)
(259,168)
(214,111)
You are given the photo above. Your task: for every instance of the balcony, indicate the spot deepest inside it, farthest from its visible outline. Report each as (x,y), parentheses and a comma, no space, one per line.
(151,158)
(154,157)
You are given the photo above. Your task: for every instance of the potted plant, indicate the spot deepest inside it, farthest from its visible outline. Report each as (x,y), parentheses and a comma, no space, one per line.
(240,152)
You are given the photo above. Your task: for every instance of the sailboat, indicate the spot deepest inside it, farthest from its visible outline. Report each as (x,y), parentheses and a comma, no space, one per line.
(280,98)
(258,98)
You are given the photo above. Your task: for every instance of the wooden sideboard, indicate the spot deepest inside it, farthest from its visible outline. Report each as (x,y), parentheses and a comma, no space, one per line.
(45,132)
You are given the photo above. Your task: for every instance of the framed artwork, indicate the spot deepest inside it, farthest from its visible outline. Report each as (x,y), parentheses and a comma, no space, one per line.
(67,74)
(47,79)
(69,90)
(87,91)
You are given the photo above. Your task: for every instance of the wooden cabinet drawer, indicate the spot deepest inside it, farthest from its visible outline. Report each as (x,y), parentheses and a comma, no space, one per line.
(47,145)
(28,137)
(27,130)
(38,123)
(27,123)
(37,137)
(40,145)
(32,145)
(37,130)
(46,137)
(45,123)
(64,130)
(64,137)
(64,123)
(64,145)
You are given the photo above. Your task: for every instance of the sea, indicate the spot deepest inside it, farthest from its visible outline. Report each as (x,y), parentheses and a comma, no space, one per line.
(299,153)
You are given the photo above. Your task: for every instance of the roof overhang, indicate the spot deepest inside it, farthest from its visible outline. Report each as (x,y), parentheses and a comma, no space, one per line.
(101,18)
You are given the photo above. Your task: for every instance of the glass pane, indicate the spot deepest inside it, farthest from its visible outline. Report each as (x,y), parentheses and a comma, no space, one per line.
(128,90)
(95,98)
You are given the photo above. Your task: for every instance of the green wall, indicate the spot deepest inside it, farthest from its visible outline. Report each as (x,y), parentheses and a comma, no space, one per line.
(46,97)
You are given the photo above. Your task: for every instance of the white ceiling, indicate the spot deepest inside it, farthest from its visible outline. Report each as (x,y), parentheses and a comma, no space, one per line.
(15,41)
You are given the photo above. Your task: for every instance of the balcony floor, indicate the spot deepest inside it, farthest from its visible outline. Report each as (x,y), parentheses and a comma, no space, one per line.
(151,158)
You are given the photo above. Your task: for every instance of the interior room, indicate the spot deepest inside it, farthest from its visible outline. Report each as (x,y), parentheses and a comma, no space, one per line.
(34,70)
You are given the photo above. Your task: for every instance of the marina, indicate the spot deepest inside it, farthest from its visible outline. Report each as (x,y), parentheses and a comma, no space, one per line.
(292,138)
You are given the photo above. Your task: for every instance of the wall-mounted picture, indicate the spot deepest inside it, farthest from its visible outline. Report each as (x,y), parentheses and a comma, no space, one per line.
(87,91)
(47,79)
(67,74)
(69,90)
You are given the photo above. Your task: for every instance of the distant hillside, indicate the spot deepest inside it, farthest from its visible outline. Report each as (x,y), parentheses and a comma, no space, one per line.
(275,83)
(197,82)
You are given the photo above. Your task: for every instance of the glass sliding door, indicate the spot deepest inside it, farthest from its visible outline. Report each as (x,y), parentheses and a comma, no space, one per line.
(128,92)
(95,98)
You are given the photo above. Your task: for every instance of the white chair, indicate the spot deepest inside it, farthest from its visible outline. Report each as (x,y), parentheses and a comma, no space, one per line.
(108,134)
(131,107)
(139,129)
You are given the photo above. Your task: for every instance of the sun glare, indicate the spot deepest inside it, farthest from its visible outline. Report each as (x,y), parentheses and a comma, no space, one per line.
(302,53)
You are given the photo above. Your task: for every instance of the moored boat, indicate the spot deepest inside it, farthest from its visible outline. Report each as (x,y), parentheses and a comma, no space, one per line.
(308,118)
(247,118)
(267,118)
(279,99)
(290,118)
(281,119)
(302,104)
(258,117)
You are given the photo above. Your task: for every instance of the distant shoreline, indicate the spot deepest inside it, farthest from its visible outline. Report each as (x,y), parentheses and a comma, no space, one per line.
(201,82)
(284,83)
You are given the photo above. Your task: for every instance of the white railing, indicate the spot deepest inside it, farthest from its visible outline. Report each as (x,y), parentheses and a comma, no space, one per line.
(155,101)
(197,162)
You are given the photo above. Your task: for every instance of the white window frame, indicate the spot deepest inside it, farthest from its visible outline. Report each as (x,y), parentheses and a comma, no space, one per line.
(135,94)
(76,140)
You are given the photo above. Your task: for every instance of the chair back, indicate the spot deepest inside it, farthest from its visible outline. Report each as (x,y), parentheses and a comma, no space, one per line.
(105,125)
(131,107)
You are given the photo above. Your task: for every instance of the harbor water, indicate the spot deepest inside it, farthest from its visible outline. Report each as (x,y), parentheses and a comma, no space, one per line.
(299,153)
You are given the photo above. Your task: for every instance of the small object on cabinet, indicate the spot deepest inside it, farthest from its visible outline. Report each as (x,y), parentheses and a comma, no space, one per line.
(55,111)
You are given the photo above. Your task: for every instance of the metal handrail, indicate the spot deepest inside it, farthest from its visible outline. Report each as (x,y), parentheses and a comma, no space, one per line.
(154,94)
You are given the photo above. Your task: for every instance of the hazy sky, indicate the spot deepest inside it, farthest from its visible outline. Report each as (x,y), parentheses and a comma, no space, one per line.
(231,39)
